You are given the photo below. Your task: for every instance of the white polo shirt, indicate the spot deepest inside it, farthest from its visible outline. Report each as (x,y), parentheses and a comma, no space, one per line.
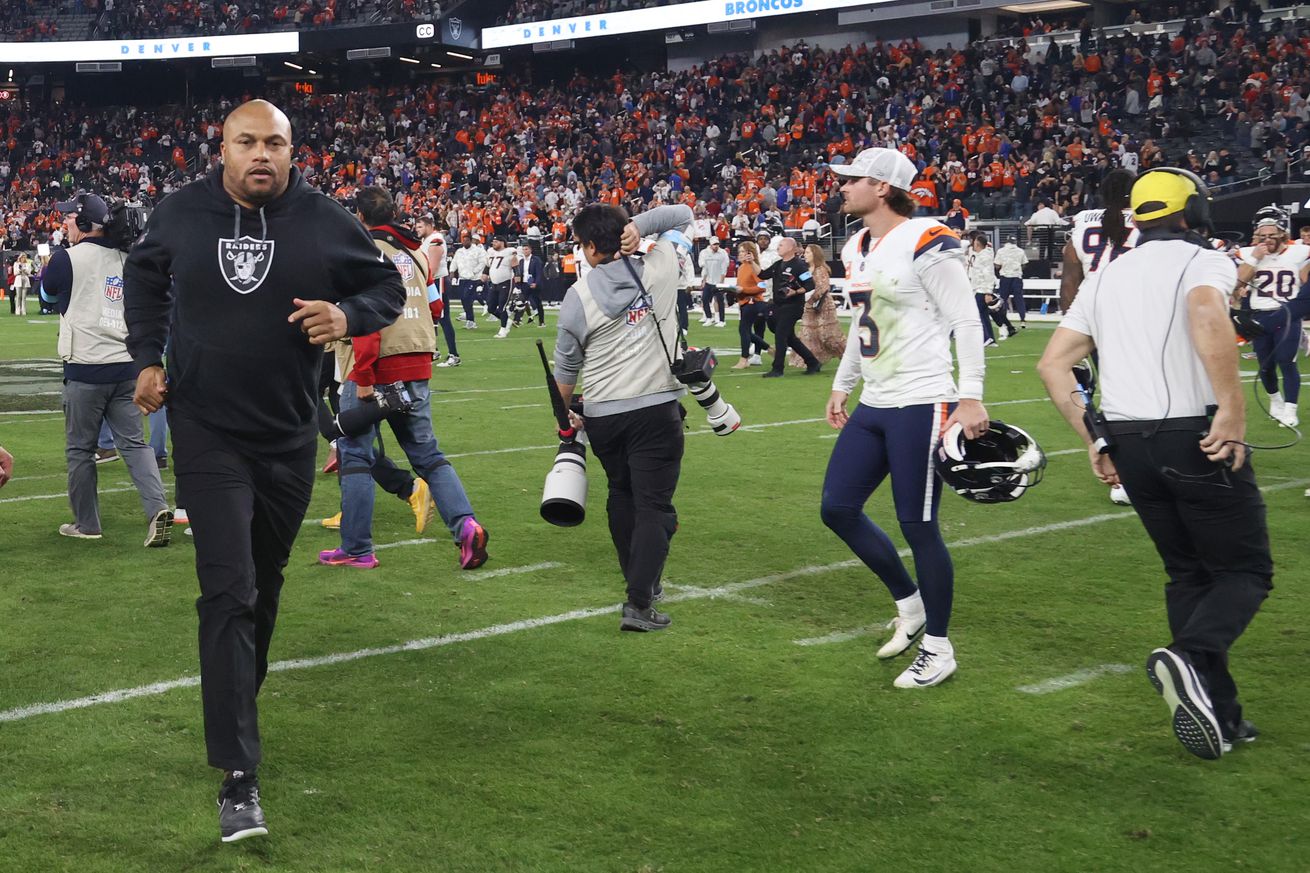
(1135,310)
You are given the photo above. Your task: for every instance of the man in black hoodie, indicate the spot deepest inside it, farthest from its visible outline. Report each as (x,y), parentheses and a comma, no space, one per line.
(264,272)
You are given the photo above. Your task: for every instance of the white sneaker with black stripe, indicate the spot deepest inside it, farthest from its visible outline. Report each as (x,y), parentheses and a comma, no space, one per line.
(1194,721)
(160,532)
(928,669)
(906,630)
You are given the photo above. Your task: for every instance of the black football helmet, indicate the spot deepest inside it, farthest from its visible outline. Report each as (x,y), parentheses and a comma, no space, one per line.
(997,467)
(1274,216)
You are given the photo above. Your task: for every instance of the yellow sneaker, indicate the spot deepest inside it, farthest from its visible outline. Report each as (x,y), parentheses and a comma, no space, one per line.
(420,501)
(333,523)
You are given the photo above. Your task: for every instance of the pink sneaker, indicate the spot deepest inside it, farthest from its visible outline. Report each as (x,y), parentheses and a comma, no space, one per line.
(338,558)
(472,544)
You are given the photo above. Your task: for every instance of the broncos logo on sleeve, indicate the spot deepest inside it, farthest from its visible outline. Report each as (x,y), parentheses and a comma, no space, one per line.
(939,239)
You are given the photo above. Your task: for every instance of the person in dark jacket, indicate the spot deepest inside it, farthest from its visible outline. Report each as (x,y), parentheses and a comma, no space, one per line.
(265,271)
(792,280)
(529,275)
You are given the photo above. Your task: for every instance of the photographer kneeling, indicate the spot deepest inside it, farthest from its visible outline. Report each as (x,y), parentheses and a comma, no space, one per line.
(612,325)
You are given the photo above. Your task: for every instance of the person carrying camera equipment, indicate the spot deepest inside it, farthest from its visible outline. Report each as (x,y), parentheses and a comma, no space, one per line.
(470,264)
(399,353)
(499,278)
(918,294)
(792,280)
(263,271)
(611,329)
(84,284)
(1171,428)
(713,270)
(434,250)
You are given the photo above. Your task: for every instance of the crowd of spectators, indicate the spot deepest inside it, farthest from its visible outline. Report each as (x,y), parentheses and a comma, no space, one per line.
(743,140)
(27,20)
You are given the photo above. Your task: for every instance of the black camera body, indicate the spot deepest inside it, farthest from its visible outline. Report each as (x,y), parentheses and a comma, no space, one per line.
(695,366)
(1093,418)
(125,224)
(387,399)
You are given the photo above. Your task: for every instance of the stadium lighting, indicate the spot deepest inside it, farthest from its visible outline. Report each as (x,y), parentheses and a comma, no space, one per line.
(408,60)
(459,55)
(1047,6)
(312,72)
(293,66)
(436,66)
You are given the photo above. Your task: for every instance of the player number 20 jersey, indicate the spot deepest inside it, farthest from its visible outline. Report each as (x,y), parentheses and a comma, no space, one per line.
(1277,277)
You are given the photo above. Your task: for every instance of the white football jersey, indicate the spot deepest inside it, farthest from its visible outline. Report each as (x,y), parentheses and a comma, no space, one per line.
(1094,248)
(1277,277)
(437,241)
(500,265)
(899,337)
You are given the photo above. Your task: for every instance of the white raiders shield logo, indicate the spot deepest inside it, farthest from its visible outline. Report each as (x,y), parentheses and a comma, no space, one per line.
(244,262)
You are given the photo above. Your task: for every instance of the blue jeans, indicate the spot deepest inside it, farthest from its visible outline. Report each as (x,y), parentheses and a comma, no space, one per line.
(413,432)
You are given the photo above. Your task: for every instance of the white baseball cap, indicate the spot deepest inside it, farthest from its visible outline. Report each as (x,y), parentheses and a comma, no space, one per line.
(884,165)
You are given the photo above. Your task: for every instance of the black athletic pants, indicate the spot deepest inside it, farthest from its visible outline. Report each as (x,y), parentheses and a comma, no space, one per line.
(641,452)
(783,323)
(684,304)
(1208,524)
(245,512)
(498,301)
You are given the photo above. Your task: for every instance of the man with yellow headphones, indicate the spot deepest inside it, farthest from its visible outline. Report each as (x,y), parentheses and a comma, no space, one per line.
(1171,428)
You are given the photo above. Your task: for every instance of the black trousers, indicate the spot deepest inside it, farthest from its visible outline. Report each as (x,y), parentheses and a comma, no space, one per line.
(498,301)
(641,452)
(783,323)
(530,301)
(684,304)
(1208,525)
(245,513)
(712,295)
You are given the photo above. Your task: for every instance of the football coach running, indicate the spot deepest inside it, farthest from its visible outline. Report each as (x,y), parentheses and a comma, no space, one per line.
(1173,413)
(266,271)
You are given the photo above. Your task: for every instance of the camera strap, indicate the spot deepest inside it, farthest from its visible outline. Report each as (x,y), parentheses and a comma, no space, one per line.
(682,341)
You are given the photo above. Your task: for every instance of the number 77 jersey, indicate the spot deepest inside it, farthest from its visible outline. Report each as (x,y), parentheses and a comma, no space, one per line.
(900,341)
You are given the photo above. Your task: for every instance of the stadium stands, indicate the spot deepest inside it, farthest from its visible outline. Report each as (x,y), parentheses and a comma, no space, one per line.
(26,20)
(997,126)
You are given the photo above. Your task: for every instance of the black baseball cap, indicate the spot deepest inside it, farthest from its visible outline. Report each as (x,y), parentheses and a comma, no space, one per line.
(89,205)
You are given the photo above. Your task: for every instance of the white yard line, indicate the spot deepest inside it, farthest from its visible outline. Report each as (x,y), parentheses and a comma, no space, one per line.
(62,495)
(25,712)
(1073,680)
(842,636)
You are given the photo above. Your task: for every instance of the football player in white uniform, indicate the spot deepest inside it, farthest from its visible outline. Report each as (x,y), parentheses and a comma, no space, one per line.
(912,272)
(1098,237)
(1270,275)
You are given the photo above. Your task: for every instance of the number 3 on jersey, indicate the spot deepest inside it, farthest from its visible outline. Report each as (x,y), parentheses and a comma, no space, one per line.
(868,333)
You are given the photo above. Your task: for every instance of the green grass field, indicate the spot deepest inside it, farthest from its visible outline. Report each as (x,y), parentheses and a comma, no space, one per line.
(526,733)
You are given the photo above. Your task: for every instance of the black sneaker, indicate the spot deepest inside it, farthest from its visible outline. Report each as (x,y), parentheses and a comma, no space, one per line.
(239,815)
(1194,721)
(647,619)
(1243,732)
(813,371)
(659,593)
(773,374)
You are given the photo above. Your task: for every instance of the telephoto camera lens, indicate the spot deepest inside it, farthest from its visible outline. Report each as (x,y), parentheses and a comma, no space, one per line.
(722,415)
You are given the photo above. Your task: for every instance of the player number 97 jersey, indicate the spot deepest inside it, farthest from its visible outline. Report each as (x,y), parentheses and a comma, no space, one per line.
(1093,245)
(1277,277)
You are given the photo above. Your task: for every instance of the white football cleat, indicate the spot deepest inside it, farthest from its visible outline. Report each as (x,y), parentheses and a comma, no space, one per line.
(1119,496)
(928,669)
(719,322)
(1288,417)
(754,361)
(1276,407)
(502,333)
(904,635)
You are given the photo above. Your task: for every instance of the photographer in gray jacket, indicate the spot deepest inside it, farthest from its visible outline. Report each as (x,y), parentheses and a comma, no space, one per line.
(84,284)
(612,325)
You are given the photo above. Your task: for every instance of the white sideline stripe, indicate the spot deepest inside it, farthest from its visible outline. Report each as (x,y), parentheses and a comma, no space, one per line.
(842,636)
(62,495)
(497,630)
(380,546)
(35,412)
(26,420)
(524,406)
(1073,680)
(478,575)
